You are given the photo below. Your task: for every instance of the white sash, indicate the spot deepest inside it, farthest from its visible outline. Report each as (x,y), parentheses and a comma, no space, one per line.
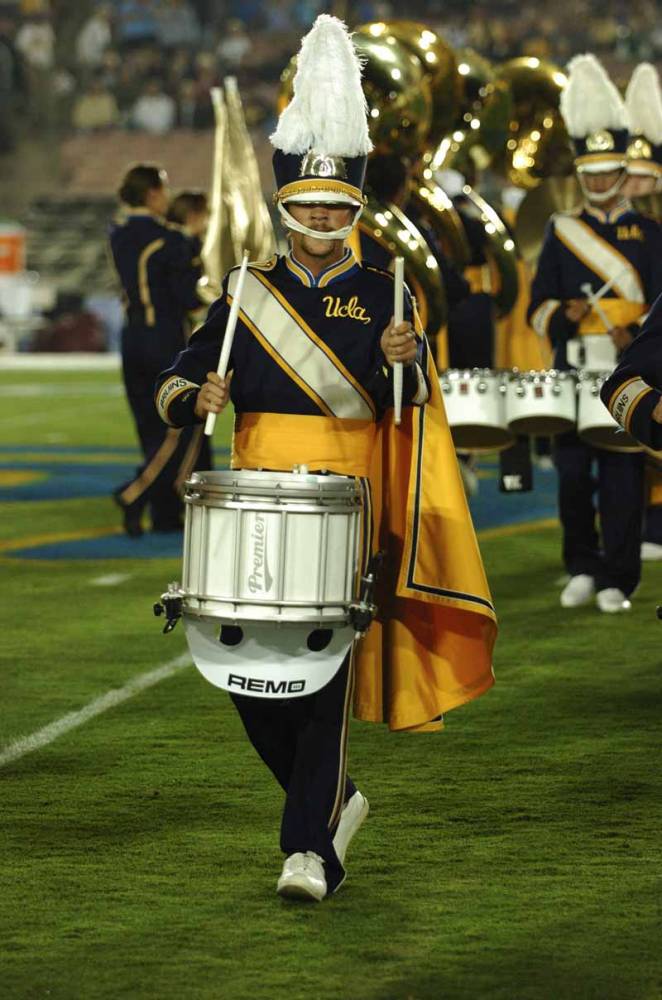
(299,351)
(600,257)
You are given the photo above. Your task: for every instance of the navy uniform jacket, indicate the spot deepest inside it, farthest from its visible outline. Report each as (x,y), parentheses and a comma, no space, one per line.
(155,263)
(348,307)
(562,271)
(634,389)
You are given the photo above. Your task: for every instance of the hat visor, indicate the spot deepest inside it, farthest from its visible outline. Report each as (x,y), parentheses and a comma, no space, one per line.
(600,164)
(645,168)
(318,190)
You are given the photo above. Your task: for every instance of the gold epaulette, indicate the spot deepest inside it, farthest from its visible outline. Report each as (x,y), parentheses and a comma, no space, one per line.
(263,265)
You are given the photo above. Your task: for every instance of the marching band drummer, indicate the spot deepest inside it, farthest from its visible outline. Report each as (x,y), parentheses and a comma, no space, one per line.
(606,245)
(311,381)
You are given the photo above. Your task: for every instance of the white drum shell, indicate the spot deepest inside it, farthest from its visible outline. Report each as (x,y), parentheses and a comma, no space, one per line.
(288,555)
(541,403)
(475,407)
(595,424)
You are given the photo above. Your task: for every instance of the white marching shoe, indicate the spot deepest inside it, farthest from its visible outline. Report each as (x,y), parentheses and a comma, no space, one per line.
(612,600)
(578,591)
(651,552)
(354,813)
(303,877)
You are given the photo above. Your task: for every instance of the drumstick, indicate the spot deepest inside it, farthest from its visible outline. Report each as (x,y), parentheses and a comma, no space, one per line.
(230,326)
(398,302)
(593,301)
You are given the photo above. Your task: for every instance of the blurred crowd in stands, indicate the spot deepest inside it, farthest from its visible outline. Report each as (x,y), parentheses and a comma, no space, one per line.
(149,64)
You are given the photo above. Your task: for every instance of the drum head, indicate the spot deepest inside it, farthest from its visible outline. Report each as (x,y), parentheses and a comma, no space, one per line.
(478,437)
(609,438)
(264,660)
(541,426)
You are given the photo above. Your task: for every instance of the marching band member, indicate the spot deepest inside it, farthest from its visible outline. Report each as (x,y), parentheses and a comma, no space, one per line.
(643,100)
(633,393)
(159,274)
(311,381)
(604,243)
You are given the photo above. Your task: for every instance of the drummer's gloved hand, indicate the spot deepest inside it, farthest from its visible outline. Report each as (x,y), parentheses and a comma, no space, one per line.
(399,344)
(213,396)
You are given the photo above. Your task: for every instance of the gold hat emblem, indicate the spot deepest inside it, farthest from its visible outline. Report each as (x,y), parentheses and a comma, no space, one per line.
(640,150)
(316,165)
(601,141)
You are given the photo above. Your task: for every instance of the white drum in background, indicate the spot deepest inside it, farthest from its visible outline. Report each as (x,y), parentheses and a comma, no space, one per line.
(271,565)
(595,424)
(475,406)
(592,351)
(541,402)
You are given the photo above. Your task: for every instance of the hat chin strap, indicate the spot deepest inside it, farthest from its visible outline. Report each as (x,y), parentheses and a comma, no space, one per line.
(337,234)
(598,197)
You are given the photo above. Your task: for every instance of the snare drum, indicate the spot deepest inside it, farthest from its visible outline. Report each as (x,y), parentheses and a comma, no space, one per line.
(475,406)
(271,566)
(542,403)
(595,424)
(271,546)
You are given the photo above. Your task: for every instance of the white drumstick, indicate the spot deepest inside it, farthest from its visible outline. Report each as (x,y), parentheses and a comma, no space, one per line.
(230,327)
(602,291)
(398,309)
(593,300)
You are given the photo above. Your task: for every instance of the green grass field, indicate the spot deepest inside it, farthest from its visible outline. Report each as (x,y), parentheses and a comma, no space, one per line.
(514,856)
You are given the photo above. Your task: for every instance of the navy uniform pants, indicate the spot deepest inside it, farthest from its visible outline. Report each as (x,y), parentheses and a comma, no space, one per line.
(170,454)
(620,493)
(303,741)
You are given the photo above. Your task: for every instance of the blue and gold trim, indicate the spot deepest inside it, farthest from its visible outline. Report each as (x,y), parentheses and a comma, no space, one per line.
(337,271)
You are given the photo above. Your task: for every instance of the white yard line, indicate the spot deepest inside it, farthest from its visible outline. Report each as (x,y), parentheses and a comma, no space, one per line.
(60,362)
(51,732)
(110,579)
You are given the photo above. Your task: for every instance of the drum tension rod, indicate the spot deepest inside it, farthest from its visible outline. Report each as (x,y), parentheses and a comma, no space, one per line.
(171,607)
(362,612)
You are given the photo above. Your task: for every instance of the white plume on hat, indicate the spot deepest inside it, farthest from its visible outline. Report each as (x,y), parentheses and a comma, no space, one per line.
(328,113)
(643,100)
(590,101)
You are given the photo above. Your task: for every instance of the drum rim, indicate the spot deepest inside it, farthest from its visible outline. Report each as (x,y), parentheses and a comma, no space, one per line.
(546,375)
(245,500)
(267,483)
(330,621)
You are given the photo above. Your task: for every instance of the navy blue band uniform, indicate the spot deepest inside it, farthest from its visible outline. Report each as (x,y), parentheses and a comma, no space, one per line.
(336,318)
(159,267)
(348,306)
(592,246)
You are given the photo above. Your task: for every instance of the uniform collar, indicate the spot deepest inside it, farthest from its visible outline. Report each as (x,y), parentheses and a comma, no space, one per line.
(337,271)
(618,211)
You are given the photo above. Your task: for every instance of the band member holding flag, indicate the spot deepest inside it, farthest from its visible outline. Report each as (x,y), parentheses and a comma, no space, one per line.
(599,269)
(311,380)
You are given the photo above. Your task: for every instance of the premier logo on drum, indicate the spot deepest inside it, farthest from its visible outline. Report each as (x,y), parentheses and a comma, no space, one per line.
(260,685)
(261,578)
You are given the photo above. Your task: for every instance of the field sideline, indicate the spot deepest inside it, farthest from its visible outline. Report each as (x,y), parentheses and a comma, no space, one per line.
(515,856)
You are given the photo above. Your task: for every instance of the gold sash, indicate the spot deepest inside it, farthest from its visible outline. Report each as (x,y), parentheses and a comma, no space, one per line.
(281,440)
(618,312)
